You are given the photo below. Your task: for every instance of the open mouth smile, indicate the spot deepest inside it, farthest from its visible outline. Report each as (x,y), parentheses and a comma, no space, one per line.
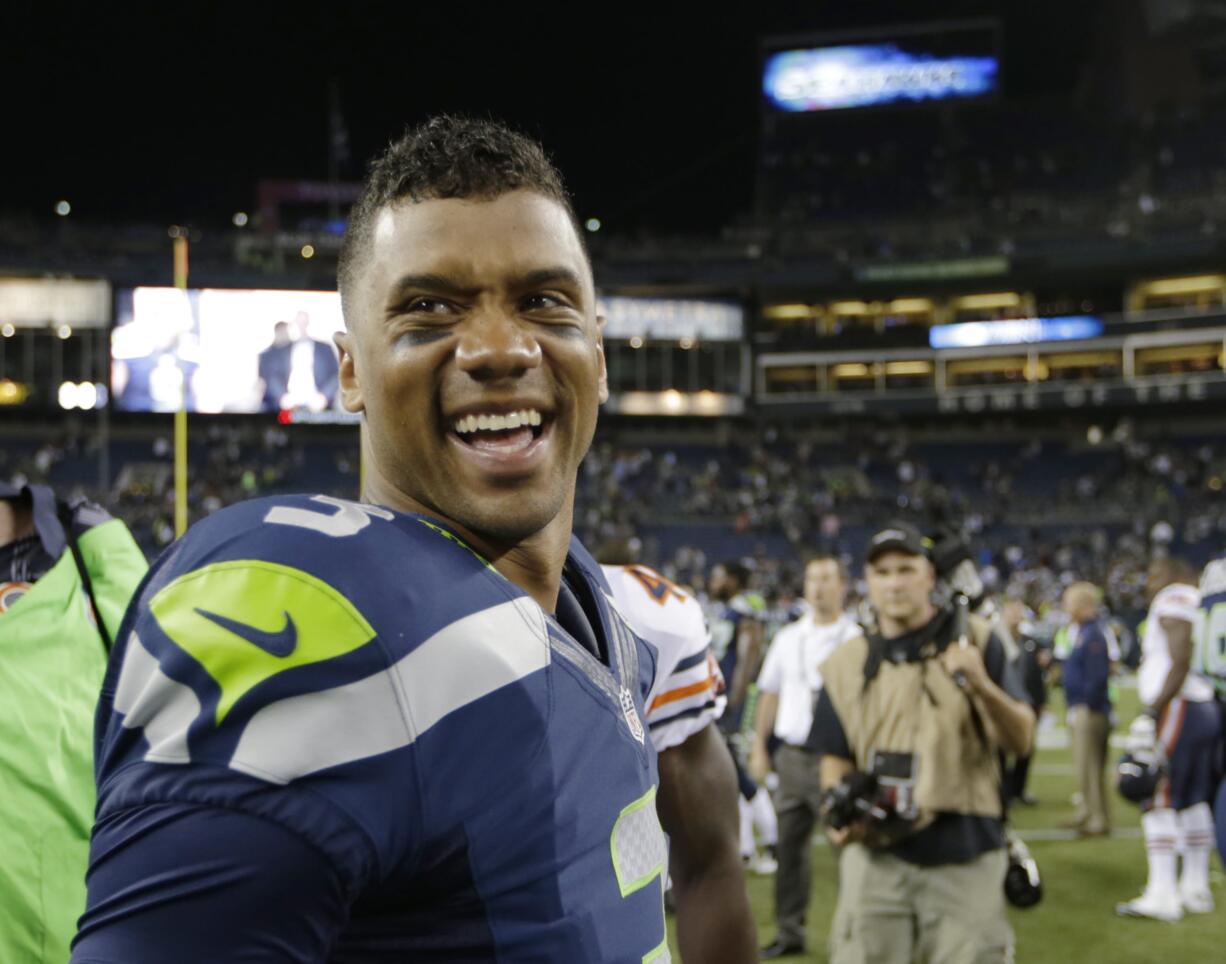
(502,441)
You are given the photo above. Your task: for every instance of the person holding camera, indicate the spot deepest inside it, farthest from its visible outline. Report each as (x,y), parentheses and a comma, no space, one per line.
(910,726)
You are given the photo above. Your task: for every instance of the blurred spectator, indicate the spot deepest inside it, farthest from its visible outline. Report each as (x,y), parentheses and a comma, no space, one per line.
(1086,674)
(66,576)
(1033,660)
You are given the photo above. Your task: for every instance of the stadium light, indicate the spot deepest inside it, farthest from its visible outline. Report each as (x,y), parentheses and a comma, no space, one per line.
(919,367)
(308,251)
(995,299)
(592,224)
(64,332)
(8,331)
(63,208)
(787,312)
(240,219)
(910,306)
(1185,286)
(849,308)
(11,392)
(83,395)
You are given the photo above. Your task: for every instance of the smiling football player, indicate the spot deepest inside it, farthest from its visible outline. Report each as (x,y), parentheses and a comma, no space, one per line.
(410,728)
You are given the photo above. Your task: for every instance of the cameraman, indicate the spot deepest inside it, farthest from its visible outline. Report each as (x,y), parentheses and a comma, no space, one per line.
(918,705)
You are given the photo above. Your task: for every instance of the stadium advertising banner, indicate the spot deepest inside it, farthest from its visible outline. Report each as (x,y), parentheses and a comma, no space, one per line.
(1176,390)
(51,302)
(1015,331)
(954,65)
(671,319)
(225,350)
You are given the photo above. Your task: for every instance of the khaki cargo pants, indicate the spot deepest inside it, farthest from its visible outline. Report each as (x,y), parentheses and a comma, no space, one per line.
(893,912)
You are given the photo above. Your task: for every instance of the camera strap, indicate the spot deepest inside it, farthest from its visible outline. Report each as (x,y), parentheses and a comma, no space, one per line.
(919,648)
(926,645)
(65,514)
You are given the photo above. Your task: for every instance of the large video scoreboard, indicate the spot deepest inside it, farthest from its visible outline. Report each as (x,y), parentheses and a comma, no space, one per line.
(930,64)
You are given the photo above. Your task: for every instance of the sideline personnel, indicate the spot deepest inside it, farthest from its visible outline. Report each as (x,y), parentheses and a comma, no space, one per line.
(787,689)
(67,572)
(921,877)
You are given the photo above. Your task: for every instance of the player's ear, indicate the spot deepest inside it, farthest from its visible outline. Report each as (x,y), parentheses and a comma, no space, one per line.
(347,376)
(604,371)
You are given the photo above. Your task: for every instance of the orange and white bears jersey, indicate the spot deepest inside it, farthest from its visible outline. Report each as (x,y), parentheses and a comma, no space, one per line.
(688,692)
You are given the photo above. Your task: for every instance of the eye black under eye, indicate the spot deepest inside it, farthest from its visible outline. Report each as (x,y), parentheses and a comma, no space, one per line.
(422,336)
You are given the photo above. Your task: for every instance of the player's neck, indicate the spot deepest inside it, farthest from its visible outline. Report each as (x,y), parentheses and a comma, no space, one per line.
(534,564)
(821,617)
(16,520)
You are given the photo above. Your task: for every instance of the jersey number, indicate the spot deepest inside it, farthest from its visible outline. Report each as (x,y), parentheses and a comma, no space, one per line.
(640,856)
(659,588)
(1211,640)
(349,518)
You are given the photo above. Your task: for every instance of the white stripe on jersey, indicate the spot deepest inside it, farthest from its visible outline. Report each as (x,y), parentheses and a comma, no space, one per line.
(687,692)
(459,664)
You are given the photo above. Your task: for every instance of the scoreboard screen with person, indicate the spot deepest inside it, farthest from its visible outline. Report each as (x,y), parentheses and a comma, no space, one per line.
(224,350)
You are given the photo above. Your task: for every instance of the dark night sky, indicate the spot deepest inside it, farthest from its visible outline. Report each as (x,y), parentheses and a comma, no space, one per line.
(173,115)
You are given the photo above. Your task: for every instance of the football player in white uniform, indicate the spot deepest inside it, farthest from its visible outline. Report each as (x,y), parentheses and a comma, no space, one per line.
(698,794)
(1181,718)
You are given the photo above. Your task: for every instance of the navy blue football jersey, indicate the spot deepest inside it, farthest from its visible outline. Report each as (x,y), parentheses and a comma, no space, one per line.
(332,732)
(725,628)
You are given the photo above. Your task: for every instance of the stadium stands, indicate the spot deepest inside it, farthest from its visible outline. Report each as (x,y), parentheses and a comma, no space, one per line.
(1038,512)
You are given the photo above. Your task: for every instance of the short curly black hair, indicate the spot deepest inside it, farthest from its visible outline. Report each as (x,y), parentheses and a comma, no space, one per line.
(448,157)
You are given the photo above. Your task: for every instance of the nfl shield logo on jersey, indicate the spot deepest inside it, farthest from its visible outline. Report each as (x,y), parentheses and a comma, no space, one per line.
(631,715)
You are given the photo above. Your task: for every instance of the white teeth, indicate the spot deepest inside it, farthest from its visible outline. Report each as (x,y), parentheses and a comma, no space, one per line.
(497,422)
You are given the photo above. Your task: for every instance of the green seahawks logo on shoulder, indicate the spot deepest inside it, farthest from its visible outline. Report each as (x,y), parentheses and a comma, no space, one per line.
(246,621)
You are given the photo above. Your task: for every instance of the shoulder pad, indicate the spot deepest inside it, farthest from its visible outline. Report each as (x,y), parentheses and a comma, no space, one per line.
(247,620)
(1213,579)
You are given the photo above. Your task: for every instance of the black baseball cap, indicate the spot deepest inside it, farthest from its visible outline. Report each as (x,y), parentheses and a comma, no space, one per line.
(898,537)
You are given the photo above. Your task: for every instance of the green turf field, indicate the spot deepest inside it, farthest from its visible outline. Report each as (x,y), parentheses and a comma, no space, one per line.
(1082,882)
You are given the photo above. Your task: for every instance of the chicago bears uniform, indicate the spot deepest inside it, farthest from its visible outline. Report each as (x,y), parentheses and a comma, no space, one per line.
(365,744)
(688,692)
(1177,819)
(1209,658)
(1189,717)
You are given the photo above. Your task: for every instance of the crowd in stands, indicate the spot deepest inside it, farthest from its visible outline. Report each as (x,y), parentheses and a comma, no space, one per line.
(1038,513)
(980,181)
